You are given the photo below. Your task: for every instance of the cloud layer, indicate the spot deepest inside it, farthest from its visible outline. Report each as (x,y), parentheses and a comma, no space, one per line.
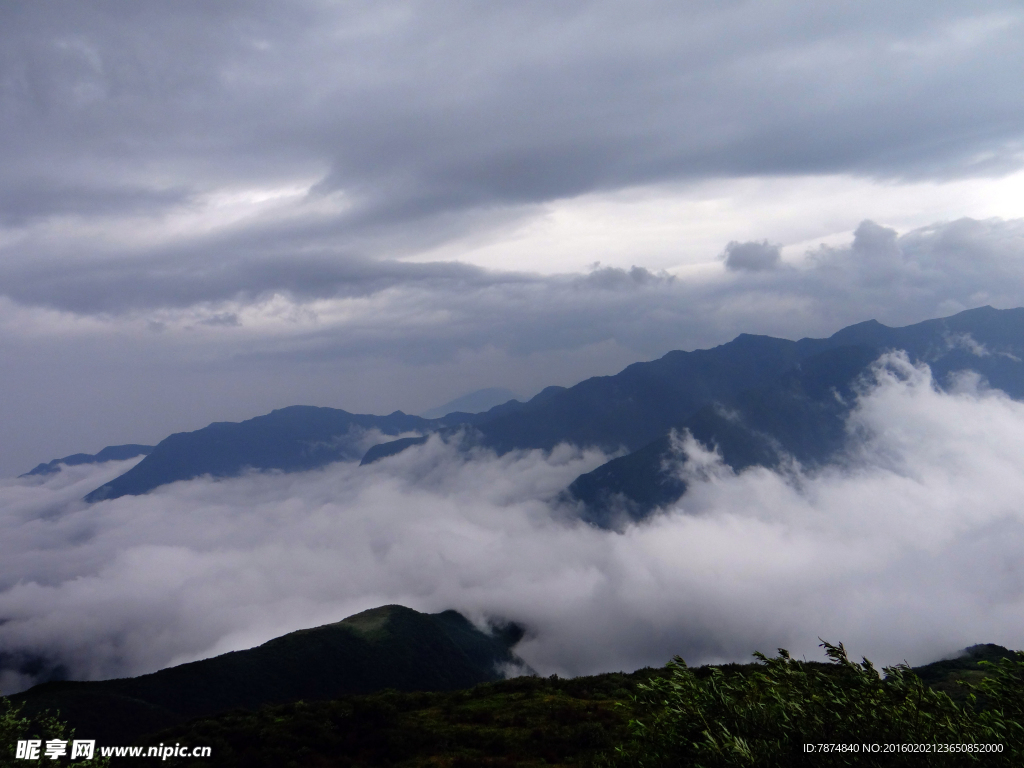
(176,155)
(908,549)
(413,111)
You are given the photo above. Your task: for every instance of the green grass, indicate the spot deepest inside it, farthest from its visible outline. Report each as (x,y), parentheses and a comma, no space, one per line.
(769,717)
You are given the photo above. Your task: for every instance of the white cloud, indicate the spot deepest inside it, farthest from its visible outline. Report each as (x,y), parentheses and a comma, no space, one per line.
(909,549)
(682,227)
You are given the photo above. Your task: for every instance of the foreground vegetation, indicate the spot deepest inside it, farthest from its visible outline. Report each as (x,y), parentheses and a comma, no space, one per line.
(15,725)
(787,713)
(759,714)
(526,721)
(762,714)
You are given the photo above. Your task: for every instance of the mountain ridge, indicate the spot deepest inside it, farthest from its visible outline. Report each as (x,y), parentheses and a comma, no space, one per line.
(802,414)
(628,410)
(110,453)
(295,438)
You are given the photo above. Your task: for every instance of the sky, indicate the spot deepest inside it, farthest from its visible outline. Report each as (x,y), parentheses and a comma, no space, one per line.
(208,211)
(211,210)
(907,549)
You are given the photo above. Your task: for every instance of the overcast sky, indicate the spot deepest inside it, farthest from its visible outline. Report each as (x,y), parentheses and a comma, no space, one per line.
(209,210)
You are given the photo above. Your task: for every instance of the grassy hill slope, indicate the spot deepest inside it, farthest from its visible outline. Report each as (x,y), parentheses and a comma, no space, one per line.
(388,647)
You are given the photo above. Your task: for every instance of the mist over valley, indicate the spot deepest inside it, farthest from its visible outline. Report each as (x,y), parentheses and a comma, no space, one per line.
(900,535)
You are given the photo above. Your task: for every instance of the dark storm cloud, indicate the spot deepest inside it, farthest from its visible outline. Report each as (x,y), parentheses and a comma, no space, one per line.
(181,280)
(19,205)
(418,110)
(553,103)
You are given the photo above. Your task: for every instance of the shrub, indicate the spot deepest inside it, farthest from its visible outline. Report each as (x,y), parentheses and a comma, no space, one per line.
(15,726)
(767,717)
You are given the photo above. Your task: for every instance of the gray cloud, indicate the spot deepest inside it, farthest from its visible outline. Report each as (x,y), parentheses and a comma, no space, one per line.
(434,122)
(908,550)
(181,280)
(752,256)
(934,271)
(940,268)
(417,111)
(19,205)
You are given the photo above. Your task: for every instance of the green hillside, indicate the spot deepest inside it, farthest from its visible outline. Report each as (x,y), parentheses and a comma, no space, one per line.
(948,675)
(388,647)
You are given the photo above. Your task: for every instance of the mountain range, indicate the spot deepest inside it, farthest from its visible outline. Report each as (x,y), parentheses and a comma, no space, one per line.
(759,400)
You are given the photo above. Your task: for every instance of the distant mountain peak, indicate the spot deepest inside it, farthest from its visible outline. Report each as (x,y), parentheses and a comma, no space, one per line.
(473,402)
(110,453)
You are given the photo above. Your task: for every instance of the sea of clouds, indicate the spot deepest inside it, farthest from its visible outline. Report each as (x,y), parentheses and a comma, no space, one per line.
(909,548)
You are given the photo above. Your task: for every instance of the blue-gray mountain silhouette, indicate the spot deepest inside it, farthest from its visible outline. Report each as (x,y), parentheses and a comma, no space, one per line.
(755,397)
(110,453)
(802,413)
(474,402)
(383,450)
(290,439)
